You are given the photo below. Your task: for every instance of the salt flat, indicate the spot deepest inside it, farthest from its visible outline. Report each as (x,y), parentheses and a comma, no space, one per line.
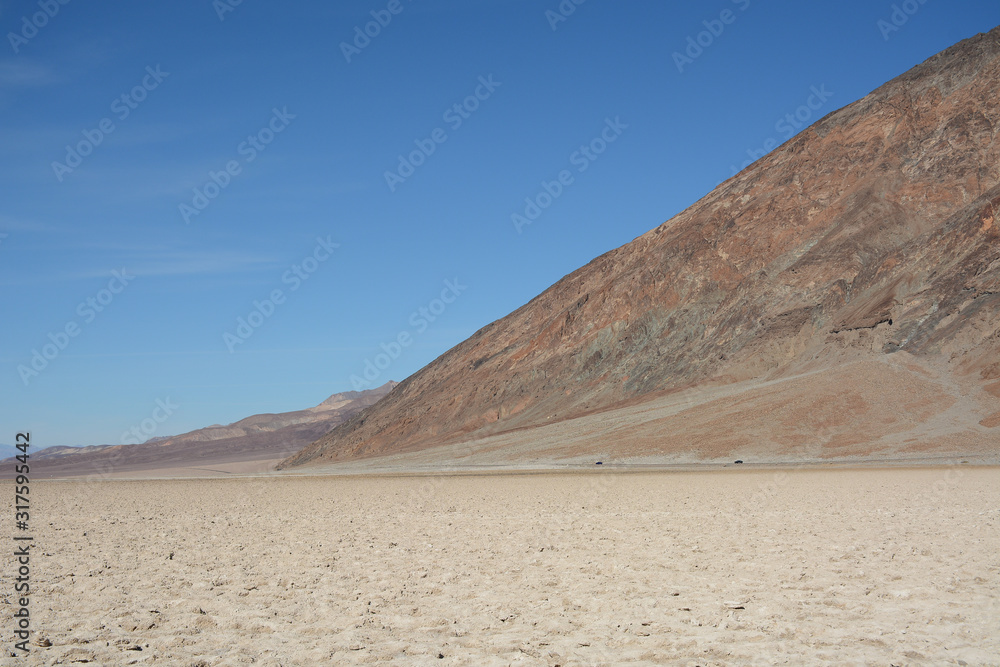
(760,567)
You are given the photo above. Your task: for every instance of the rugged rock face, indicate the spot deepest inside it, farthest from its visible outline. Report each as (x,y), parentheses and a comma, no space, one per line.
(872,232)
(266,436)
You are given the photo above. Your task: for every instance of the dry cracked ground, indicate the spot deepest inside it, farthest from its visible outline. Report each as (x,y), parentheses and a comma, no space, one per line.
(748,567)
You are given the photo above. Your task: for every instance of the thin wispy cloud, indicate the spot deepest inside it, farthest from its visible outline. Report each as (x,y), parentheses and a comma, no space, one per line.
(162,264)
(10,225)
(194,262)
(25,73)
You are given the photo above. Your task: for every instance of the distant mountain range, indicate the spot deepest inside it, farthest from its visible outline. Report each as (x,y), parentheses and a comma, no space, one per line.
(260,438)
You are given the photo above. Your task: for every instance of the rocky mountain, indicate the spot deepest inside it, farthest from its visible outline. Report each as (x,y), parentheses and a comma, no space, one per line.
(264,437)
(862,255)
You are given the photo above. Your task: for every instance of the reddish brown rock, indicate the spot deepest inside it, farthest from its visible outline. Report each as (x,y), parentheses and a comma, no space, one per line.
(869,233)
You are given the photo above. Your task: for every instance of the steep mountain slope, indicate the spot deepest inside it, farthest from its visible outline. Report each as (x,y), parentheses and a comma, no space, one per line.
(265,437)
(872,232)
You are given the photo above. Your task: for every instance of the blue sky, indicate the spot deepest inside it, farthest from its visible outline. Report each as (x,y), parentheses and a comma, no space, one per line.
(167,165)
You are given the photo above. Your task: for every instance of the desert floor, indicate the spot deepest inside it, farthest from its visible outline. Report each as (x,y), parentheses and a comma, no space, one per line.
(729,567)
